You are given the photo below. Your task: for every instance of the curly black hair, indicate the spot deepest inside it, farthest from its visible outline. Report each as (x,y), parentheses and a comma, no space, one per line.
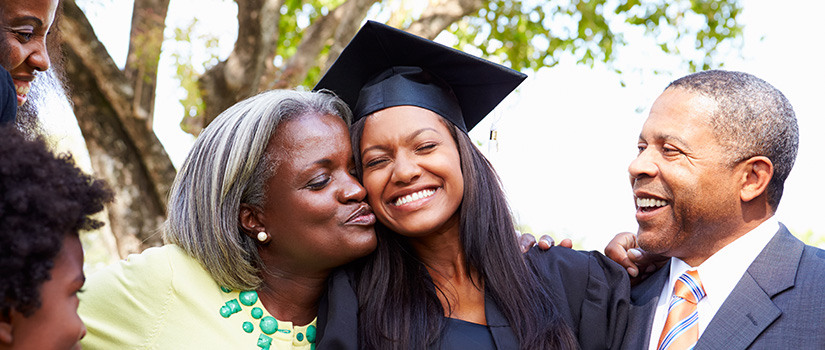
(43,198)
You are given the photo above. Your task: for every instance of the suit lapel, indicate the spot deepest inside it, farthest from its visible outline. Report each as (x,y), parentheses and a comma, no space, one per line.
(644,298)
(743,316)
(749,310)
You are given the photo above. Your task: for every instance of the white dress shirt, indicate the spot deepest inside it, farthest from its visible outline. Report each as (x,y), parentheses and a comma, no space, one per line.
(719,275)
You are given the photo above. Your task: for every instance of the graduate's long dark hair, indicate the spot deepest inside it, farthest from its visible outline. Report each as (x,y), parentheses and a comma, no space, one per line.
(399,306)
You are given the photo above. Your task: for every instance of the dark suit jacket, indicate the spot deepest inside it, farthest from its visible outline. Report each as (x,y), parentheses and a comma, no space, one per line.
(591,293)
(779,303)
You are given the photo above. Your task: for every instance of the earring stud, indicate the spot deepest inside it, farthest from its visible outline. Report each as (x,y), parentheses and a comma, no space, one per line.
(262,236)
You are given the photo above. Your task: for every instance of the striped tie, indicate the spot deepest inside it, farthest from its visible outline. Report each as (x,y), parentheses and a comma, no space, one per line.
(681,328)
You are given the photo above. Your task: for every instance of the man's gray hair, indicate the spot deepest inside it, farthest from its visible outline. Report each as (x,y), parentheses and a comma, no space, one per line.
(753,118)
(228,166)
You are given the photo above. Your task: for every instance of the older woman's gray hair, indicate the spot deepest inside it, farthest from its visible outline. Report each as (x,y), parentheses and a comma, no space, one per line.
(227,166)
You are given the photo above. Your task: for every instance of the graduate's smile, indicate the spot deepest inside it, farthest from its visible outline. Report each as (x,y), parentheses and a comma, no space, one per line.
(414,198)
(411,169)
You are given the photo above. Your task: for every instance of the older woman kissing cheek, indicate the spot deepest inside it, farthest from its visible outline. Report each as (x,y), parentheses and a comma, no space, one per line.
(264,208)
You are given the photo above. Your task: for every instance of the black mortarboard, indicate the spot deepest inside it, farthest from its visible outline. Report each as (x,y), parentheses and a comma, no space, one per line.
(8,98)
(384,67)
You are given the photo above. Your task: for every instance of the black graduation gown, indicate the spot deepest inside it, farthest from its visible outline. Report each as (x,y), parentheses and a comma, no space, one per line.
(591,293)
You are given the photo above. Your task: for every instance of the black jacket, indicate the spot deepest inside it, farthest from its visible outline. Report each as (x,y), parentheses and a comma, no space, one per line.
(591,293)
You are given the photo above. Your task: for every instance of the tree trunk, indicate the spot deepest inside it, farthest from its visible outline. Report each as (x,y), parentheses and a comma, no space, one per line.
(136,213)
(249,68)
(124,151)
(238,76)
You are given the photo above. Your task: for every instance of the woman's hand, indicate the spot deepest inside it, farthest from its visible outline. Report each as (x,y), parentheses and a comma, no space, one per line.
(527,241)
(624,250)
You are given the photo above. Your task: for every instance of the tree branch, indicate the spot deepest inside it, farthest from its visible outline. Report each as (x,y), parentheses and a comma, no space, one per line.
(336,28)
(347,28)
(145,41)
(77,33)
(238,77)
(440,14)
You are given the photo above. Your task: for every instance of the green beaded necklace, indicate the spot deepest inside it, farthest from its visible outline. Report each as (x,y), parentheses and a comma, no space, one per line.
(268,324)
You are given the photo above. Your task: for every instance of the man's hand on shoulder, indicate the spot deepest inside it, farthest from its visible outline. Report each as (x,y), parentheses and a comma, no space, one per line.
(624,250)
(527,241)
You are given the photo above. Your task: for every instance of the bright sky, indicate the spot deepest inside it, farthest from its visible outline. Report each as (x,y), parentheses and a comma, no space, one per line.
(568,134)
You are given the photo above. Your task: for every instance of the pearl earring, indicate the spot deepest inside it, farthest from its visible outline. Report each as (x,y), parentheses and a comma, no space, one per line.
(262,236)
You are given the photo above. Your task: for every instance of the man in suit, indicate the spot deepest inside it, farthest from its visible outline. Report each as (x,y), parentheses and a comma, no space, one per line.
(713,157)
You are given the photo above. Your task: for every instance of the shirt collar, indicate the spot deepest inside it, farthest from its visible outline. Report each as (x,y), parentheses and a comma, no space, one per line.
(724,268)
(721,271)
(719,275)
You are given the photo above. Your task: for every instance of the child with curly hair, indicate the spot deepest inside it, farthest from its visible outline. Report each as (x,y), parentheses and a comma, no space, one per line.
(45,201)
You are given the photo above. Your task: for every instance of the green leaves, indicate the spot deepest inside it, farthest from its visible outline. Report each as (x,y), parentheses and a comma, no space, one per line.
(187,74)
(296,15)
(705,23)
(535,34)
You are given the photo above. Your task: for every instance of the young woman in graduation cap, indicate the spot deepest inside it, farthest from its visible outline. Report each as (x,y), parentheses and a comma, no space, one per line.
(448,272)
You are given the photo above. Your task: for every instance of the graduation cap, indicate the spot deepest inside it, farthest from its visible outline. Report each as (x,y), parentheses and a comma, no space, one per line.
(8,98)
(384,67)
